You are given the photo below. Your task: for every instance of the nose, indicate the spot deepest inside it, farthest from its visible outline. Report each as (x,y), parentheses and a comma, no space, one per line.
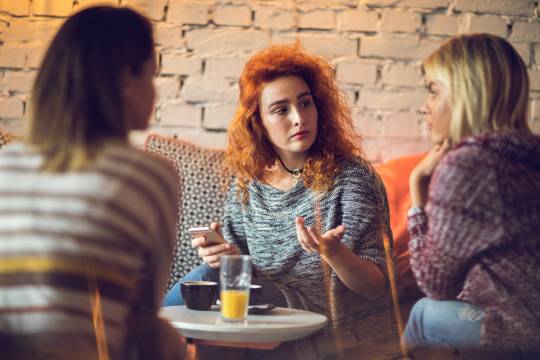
(424,110)
(296,116)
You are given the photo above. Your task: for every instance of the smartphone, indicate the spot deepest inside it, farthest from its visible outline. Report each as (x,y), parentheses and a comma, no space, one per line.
(212,236)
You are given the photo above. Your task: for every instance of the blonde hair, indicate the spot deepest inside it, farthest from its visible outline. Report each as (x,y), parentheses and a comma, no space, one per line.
(487,82)
(76,104)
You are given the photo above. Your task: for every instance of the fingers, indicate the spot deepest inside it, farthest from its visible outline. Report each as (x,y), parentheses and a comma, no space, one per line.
(212,254)
(216,226)
(307,237)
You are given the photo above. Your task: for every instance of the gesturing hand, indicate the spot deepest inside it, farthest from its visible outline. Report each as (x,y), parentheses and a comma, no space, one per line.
(311,241)
(211,253)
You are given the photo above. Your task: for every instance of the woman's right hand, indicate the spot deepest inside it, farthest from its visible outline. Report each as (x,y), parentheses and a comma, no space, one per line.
(211,253)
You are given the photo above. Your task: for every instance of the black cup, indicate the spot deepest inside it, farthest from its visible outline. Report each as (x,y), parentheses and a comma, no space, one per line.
(255,292)
(199,295)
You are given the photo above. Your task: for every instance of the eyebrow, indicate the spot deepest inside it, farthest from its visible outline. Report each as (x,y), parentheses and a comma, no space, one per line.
(284,101)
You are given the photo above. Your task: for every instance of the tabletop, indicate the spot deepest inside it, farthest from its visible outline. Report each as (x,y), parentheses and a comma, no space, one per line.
(277,325)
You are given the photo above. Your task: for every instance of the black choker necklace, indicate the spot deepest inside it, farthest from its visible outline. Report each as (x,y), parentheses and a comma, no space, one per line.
(296,173)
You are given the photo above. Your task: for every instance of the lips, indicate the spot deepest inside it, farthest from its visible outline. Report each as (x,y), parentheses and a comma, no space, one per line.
(301,134)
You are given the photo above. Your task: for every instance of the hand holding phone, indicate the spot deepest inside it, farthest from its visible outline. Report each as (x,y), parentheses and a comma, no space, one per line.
(212,236)
(213,246)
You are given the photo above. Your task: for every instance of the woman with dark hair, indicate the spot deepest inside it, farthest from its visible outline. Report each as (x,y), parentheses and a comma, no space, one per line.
(86,220)
(475,248)
(305,200)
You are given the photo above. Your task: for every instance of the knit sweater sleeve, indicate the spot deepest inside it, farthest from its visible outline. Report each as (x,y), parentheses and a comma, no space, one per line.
(460,221)
(233,224)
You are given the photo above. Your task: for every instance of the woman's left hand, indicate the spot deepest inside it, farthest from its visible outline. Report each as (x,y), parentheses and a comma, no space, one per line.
(311,241)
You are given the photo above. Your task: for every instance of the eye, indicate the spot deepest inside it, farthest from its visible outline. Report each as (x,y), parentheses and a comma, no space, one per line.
(306,103)
(280,110)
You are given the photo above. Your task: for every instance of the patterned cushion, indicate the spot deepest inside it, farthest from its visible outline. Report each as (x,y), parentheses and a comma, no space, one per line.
(203,188)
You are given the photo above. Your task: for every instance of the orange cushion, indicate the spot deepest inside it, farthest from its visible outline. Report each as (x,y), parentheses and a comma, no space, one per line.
(395,176)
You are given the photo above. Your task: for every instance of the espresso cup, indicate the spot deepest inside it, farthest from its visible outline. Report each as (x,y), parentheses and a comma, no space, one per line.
(199,295)
(255,292)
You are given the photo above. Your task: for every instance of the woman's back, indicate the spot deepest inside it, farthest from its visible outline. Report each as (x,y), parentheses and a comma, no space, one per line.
(80,250)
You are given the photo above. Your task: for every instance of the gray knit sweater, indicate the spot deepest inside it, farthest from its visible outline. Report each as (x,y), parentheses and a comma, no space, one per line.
(265,229)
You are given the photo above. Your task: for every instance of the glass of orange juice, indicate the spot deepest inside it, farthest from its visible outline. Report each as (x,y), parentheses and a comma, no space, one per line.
(235,279)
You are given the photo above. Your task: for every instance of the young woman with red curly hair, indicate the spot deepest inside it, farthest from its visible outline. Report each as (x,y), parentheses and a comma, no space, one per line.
(299,167)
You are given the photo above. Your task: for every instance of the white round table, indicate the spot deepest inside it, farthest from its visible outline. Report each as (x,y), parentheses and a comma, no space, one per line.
(277,325)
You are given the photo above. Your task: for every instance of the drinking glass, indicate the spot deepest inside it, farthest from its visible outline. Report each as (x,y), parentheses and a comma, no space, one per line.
(235,279)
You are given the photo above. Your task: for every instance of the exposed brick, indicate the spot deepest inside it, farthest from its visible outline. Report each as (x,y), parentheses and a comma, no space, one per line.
(438,24)
(535,109)
(34,53)
(404,125)
(358,20)
(218,117)
(398,47)
(384,149)
(386,100)
(86,3)
(524,31)
(537,54)
(154,9)
(52,8)
(483,24)
(17,81)
(318,19)
(399,21)
(356,72)
(11,107)
(12,56)
(369,124)
(208,90)
(272,18)
(194,12)
(420,4)
(208,41)
(180,115)
(534,76)
(168,35)
(227,67)
(232,15)
(15,7)
(327,45)
(24,30)
(180,64)
(167,87)
(202,138)
(507,7)
(401,75)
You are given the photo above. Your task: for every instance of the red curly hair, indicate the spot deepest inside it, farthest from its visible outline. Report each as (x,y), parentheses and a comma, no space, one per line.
(249,151)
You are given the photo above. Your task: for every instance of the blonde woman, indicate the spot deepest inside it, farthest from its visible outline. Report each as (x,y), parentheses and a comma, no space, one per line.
(86,220)
(475,198)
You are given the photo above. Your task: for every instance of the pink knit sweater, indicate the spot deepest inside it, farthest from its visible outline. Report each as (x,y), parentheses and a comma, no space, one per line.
(479,238)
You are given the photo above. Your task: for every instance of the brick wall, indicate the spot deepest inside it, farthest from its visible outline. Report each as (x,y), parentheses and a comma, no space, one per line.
(375,45)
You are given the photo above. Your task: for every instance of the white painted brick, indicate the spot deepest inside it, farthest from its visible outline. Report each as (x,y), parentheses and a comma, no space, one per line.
(213,140)
(167,87)
(15,7)
(17,81)
(398,47)
(386,100)
(524,50)
(524,31)
(218,117)
(534,76)
(318,19)
(34,54)
(25,30)
(180,115)
(438,24)
(400,21)
(168,35)
(154,9)
(356,72)
(506,7)
(369,124)
(52,8)
(12,56)
(232,15)
(194,12)
(401,75)
(227,67)
(420,4)
(209,41)
(327,45)
(483,24)
(358,20)
(180,64)
(535,109)
(272,18)
(86,3)
(403,125)
(384,149)
(11,107)
(537,54)
(208,90)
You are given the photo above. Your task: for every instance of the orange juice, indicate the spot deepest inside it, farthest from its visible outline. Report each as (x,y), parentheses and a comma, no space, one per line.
(234,304)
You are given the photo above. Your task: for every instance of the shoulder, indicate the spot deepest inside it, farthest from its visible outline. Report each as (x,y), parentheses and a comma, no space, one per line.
(357,173)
